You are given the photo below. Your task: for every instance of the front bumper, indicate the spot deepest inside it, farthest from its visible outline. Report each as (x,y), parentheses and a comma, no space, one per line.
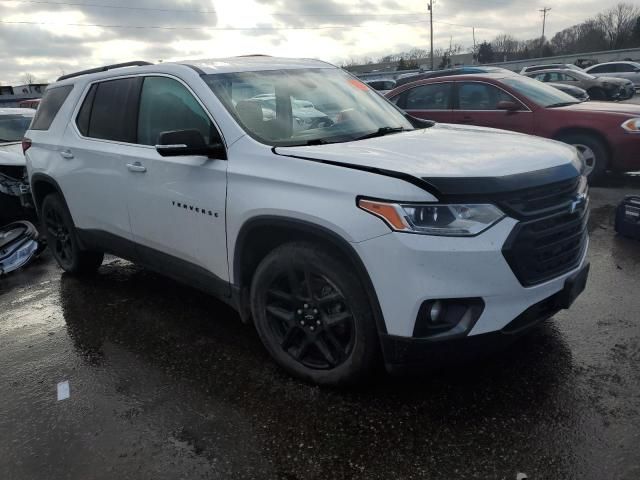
(418,268)
(403,354)
(623,92)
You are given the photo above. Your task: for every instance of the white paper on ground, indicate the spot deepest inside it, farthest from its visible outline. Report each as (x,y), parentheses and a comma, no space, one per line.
(63,390)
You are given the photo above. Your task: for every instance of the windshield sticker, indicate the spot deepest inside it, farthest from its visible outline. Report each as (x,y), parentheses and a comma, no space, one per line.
(358,84)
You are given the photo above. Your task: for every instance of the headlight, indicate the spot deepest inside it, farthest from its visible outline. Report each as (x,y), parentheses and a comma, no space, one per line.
(632,125)
(434,219)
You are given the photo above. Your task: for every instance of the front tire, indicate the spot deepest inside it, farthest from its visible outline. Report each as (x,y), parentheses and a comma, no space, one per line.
(313,315)
(593,152)
(62,238)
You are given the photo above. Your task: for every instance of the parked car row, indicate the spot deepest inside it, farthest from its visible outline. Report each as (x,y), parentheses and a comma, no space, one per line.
(606,134)
(598,88)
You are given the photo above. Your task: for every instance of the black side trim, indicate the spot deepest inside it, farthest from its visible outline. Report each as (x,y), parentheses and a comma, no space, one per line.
(307,228)
(509,183)
(168,265)
(424,184)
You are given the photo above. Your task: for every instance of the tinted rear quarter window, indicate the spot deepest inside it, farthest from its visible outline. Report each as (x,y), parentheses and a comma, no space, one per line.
(49,106)
(84,116)
(114,113)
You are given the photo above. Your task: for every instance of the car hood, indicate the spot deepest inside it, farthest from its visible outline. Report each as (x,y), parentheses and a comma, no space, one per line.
(610,107)
(447,152)
(11,154)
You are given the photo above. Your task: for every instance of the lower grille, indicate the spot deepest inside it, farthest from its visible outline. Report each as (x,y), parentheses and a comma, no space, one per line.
(545,248)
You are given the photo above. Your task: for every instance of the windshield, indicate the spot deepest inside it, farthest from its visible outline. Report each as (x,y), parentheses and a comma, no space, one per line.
(543,95)
(299,107)
(13,127)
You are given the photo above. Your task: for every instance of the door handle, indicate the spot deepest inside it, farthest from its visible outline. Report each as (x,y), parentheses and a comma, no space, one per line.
(467,120)
(136,167)
(66,154)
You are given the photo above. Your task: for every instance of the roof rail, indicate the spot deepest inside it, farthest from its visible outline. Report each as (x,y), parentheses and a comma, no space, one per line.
(104,69)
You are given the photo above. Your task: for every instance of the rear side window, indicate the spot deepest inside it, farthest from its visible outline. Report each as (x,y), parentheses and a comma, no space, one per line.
(114,110)
(49,106)
(429,97)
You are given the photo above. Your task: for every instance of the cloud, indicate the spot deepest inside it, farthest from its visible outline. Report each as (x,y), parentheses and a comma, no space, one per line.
(364,28)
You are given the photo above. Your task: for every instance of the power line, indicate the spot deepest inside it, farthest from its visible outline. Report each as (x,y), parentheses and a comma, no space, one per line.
(180,10)
(157,27)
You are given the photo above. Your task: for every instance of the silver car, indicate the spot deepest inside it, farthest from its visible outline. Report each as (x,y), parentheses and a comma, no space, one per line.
(626,70)
(598,88)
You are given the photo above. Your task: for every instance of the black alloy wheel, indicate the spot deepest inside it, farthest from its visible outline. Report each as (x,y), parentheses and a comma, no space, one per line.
(313,316)
(62,239)
(58,237)
(310,318)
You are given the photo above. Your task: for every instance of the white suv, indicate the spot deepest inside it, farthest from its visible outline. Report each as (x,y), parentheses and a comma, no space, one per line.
(374,233)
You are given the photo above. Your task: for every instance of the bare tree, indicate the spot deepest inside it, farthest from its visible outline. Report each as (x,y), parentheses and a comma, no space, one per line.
(505,46)
(28,78)
(617,23)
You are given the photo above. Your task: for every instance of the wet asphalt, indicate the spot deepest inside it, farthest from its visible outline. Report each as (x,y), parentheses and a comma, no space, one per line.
(166,383)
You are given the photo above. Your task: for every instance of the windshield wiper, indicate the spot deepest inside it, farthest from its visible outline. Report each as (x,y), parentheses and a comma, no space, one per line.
(561,104)
(381,132)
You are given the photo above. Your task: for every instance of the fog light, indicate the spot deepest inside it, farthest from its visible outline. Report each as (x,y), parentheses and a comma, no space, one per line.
(435,311)
(446,318)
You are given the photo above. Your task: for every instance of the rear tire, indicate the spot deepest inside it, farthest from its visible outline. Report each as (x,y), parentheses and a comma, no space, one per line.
(62,238)
(313,315)
(593,152)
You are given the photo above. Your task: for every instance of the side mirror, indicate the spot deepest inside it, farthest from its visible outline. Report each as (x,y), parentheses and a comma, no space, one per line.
(179,143)
(508,106)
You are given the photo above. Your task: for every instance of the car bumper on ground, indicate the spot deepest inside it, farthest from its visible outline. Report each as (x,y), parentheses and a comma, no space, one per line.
(464,270)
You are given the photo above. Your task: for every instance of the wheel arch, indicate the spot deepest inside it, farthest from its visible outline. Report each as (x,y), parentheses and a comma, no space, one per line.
(41,186)
(586,131)
(260,235)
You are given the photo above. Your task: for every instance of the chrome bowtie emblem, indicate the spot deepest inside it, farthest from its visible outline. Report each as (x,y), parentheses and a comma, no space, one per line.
(577,203)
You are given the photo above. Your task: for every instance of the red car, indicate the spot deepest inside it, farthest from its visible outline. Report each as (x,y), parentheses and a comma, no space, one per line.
(607,134)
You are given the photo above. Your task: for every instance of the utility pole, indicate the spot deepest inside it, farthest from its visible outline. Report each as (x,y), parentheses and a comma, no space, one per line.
(544,21)
(431,23)
(474,45)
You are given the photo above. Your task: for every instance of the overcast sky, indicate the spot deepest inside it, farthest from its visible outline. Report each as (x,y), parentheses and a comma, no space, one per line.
(46,39)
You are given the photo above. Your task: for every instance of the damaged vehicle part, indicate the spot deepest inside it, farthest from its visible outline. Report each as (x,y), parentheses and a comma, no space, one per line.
(18,246)
(15,193)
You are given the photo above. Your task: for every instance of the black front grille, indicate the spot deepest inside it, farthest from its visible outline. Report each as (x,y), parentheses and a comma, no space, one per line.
(552,236)
(544,200)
